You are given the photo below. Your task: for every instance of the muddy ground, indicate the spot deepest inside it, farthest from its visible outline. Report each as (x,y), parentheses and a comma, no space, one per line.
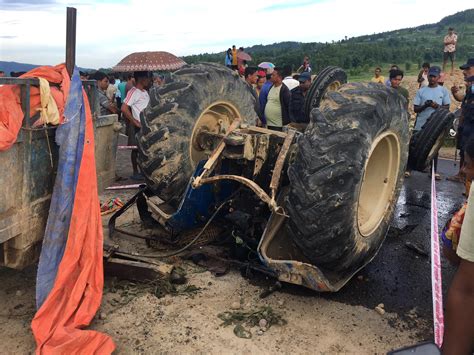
(344,322)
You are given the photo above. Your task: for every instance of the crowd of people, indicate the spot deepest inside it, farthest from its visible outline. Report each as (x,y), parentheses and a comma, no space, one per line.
(278,92)
(128,97)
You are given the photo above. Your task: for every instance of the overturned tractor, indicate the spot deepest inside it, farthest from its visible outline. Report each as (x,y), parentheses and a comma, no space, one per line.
(314,201)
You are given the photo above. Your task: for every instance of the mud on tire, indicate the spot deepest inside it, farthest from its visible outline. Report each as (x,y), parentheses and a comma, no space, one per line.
(334,185)
(326,78)
(164,142)
(425,143)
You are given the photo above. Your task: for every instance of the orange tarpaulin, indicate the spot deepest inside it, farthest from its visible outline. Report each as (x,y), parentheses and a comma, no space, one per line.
(77,292)
(11,114)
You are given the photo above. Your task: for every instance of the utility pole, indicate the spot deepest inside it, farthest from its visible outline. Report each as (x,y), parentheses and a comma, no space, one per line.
(71,39)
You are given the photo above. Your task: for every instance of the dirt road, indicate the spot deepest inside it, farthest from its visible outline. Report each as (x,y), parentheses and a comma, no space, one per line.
(139,322)
(346,322)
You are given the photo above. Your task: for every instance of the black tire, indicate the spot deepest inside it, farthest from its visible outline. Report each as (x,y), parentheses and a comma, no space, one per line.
(425,143)
(320,85)
(329,169)
(168,122)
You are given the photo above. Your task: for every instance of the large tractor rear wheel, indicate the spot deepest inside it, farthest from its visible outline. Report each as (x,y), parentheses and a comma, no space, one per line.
(203,97)
(347,175)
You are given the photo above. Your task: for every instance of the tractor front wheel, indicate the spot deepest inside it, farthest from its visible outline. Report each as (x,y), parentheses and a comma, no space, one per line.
(347,175)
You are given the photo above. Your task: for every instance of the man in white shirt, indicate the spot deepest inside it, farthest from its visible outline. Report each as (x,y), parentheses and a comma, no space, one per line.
(288,79)
(450,41)
(136,101)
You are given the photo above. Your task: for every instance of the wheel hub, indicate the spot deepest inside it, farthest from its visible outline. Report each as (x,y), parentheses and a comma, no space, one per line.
(379,182)
(215,119)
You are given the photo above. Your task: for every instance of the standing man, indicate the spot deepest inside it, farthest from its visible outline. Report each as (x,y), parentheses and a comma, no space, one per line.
(118,93)
(251,79)
(305,67)
(427,100)
(466,123)
(450,41)
(251,76)
(297,98)
(393,67)
(423,75)
(228,58)
(107,106)
(262,79)
(396,77)
(234,58)
(288,79)
(136,101)
(275,101)
(122,88)
(378,77)
(130,84)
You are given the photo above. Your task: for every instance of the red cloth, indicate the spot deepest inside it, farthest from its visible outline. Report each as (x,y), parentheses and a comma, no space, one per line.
(77,292)
(11,114)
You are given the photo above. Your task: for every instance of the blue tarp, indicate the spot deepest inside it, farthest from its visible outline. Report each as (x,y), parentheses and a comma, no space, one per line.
(70,138)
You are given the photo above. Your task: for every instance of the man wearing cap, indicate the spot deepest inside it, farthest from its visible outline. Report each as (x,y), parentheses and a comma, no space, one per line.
(298,95)
(428,99)
(450,41)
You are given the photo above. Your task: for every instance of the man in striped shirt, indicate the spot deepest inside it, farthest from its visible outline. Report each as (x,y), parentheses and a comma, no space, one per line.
(136,101)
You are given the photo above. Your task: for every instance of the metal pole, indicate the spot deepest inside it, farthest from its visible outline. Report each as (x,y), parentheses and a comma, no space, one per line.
(71,39)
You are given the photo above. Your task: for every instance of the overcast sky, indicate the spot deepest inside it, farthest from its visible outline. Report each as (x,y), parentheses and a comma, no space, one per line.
(34,31)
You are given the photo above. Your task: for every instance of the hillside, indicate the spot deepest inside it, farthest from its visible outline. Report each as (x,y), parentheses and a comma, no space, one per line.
(410,45)
(9,67)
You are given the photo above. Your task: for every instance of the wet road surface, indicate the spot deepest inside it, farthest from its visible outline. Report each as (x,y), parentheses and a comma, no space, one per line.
(400,277)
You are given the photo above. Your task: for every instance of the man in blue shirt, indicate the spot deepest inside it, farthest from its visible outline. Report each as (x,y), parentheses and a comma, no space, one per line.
(428,99)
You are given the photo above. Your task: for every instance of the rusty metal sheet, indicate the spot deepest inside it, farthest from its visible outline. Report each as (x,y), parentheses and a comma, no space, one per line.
(291,266)
(137,270)
(275,182)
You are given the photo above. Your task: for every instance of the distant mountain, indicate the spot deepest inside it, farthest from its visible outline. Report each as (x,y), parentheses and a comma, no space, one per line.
(9,67)
(404,47)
